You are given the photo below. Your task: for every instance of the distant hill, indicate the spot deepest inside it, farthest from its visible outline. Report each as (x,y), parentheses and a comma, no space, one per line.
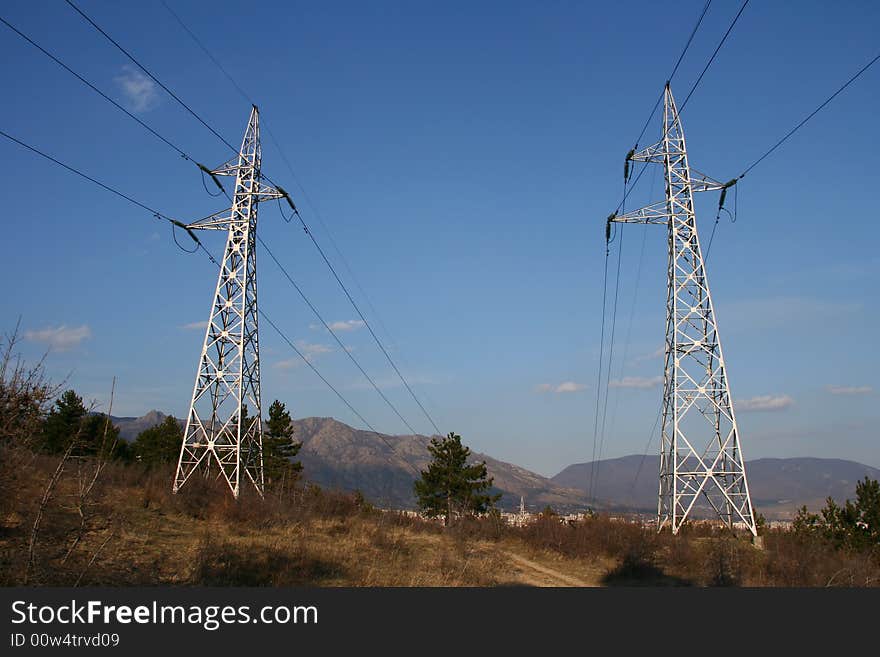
(336,455)
(778,486)
(130,427)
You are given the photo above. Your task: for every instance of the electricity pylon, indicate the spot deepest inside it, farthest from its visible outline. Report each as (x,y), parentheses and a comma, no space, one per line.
(224,430)
(700,454)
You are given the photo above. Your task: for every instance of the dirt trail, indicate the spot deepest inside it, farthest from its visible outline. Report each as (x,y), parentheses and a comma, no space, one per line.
(535,574)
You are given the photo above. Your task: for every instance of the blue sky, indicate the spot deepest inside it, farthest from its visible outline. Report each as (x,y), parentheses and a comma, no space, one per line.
(464,157)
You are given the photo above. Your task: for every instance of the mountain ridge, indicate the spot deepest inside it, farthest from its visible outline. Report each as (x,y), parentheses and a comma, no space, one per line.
(336,455)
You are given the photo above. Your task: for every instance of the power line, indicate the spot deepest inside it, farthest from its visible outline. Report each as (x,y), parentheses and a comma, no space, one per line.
(333,333)
(338,394)
(244,94)
(160,215)
(674,70)
(222,190)
(687,98)
(810,116)
(366,323)
(301,220)
(626,192)
(180,22)
(79,173)
(150,75)
(186,156)
(714,54)
(779,143)
(599,379)
(610,360)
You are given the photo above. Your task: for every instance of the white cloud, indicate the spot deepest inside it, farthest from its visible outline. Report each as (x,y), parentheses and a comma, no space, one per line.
(312,350)
(60,338)
(850,390)
(341,326)
(565,386)
(764,403)
(195,325)
(141,93)
(639,382)
(654,354)
(288,364)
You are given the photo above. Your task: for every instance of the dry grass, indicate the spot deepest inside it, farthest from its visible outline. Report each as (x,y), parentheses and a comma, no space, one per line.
(137,533)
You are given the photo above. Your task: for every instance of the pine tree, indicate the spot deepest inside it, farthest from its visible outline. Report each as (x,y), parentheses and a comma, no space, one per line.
(159,444)
(279,447)
(64,422)
(449,487)
(69,421)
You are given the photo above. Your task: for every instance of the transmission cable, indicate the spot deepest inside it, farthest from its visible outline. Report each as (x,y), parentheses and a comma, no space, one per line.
(599,379)
(174,222)
(333,333)
(186,156)
(687,98)
(150,75)
(674,70)
(302,221)
(785,138)
(809,116)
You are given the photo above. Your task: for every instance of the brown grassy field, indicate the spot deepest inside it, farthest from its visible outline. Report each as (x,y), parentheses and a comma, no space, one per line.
(128,529)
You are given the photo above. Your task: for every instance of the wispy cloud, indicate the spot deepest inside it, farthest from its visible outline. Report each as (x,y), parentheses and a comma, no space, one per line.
(341,326)
(638,382)
(659,351)
(140,92)
(849,390)
(764,403)
(312,350)
(309,350)
(60,338)
(192,326)
(565,386)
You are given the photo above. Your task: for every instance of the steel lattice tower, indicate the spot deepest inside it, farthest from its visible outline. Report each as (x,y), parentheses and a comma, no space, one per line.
(218,435)
(700,454)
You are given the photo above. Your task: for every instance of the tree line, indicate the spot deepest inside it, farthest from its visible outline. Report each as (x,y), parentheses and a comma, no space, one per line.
(69,425)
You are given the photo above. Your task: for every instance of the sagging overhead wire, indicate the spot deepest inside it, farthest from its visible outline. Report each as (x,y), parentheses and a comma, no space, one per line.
(287,196)
(150,75)
(687,98)
(733,182)
(684,50)
(186,156)
(177,224)
(342,346)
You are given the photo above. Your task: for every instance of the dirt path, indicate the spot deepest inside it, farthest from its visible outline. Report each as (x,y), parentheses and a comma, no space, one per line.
(535,574)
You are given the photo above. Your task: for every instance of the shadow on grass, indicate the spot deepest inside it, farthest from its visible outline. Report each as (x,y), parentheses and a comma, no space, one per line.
(637,571)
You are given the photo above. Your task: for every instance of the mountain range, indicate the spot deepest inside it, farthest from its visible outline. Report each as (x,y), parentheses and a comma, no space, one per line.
(383,468)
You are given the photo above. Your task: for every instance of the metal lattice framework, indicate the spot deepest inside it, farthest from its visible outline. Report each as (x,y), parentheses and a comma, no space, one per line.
(700,455)
(224,426)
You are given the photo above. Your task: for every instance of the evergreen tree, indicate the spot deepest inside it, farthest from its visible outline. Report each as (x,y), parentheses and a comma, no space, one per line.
(854,525)
(159,444)
(100,437)
(450,487)
(69,422)
(63,422)
(279,447)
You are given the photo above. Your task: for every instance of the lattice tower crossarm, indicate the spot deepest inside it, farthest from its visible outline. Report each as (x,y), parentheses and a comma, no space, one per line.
(220,439)
(701,457)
